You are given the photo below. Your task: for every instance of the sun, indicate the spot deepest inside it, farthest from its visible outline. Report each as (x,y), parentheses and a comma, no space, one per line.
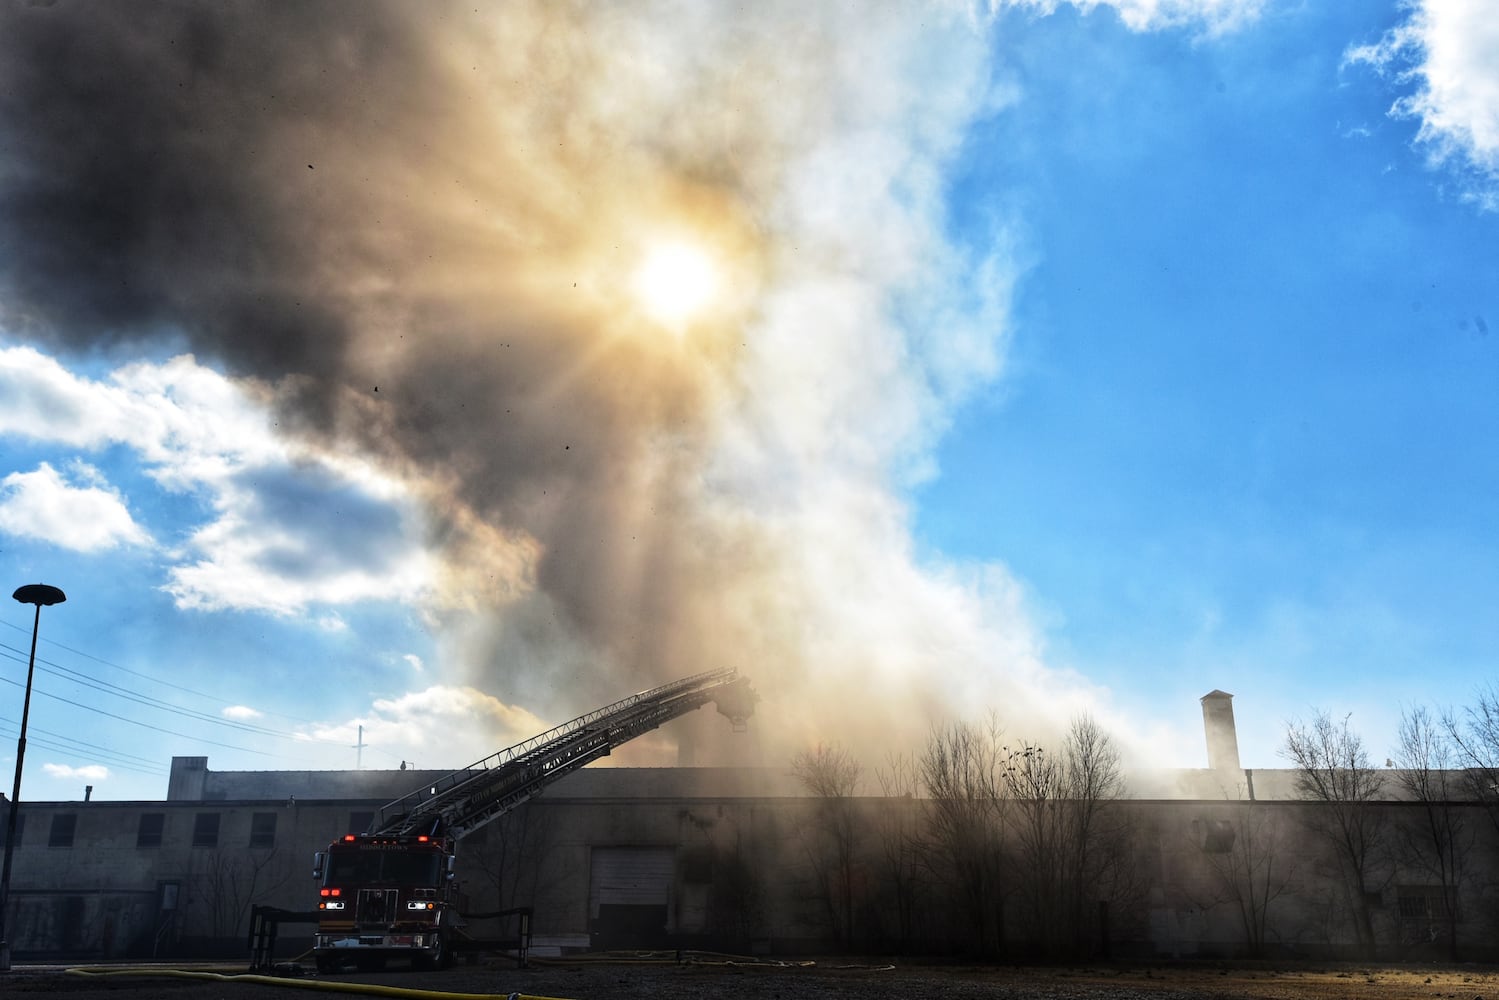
(675,282)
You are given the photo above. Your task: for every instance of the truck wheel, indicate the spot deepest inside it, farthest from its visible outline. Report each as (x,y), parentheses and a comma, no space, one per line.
(436,957)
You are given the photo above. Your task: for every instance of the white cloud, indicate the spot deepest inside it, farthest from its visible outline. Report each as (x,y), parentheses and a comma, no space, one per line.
(85,518)
(240,712)
(89,772)
(1449,51)
(290,527)
(415,662)
(444,709)
(440,726)
(189,423)
(40,399)
(1215,16)
(251,563)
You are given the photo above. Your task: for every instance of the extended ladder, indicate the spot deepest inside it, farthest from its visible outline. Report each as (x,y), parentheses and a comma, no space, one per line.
(460,803)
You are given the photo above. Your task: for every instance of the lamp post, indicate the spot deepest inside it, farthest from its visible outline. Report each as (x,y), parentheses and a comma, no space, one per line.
(41,595)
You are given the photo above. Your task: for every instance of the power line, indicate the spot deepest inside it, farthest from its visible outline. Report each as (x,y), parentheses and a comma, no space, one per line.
(56,670)
(136,673)
(143,725)
(94,753)
(147,761)
(116,666)
(47,667)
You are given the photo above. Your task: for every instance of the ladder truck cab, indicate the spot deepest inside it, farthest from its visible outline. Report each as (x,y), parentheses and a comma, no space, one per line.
(390,891)
(383,896)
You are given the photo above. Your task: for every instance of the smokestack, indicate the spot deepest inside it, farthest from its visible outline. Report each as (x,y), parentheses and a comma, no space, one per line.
(1218,722)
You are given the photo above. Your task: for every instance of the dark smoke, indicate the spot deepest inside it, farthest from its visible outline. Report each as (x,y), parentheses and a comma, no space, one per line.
(325,191)
(151,182)
(417,220)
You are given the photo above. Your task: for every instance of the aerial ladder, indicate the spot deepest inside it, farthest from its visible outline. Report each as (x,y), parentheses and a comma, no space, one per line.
(462,802)
(390,891)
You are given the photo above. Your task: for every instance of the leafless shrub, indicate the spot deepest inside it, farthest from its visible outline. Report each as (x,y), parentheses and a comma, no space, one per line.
(1332,768)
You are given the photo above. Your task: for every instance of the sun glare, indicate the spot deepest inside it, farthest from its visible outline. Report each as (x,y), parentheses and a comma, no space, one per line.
(675,282)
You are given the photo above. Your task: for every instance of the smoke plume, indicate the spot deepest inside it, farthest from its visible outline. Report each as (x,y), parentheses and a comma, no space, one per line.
(421,223)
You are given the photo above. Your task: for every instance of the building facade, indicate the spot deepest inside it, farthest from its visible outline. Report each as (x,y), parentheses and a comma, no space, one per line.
(1210,863)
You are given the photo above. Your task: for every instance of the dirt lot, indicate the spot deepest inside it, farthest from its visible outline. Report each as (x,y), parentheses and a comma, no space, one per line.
(831,978)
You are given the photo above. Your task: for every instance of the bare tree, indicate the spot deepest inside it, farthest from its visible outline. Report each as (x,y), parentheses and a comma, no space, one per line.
(1475,737)
(225,887)
(1034,779)
(1435,841)
(511,854)
(1102,832)
(899,834)
(1071,842)
(1250,869)
(960,768)
(1475,734)
(831,775)
(736,902)
(1333,769)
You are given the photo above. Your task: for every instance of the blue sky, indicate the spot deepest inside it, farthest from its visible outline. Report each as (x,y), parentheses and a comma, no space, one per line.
(1246,437)
(1029,361)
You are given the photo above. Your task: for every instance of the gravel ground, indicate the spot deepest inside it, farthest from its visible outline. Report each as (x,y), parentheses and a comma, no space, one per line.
(615,979)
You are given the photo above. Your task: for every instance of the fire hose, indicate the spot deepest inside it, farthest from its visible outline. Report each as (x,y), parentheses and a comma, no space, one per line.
(369,989)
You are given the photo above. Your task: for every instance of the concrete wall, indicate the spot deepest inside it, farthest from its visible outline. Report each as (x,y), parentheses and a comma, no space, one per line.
(749,868)
(105,894)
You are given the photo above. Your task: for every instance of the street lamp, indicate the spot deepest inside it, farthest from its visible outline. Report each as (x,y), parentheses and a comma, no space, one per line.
(42,596)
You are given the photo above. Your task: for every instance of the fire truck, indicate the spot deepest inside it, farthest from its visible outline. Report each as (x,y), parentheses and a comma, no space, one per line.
(391,891)
(385,895)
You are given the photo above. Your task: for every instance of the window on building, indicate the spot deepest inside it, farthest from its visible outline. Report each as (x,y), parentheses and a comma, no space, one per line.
(1423,904)
(1214,836)
(206,830)
(359,822)
(63,826)
(263,830)
(148,834)
(166,896)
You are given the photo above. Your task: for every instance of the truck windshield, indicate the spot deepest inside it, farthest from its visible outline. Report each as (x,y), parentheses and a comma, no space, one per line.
(383,867)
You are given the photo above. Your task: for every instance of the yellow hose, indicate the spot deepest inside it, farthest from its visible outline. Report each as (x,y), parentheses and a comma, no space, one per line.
(371,989)
(692,957)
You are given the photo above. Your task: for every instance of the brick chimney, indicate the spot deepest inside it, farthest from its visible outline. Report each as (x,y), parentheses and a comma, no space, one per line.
(1218,722)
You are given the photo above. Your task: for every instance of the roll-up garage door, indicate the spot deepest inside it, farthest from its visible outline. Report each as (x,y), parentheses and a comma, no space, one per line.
(630,895)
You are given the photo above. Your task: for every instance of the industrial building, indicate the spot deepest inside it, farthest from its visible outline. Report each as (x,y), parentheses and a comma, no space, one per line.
(1220,861)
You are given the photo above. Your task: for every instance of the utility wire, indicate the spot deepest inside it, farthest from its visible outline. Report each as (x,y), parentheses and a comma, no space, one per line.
(93,754)
(140,699)
(56,670)
(143,676)
(143,725)
(12,728)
